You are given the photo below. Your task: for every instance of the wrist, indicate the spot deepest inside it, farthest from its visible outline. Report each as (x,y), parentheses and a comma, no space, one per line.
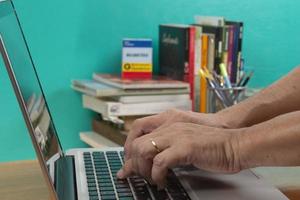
(225,120)
(247,142)
(233,151)
(208,119)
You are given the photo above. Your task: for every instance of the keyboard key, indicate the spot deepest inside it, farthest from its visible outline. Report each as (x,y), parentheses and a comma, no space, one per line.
(111,153)
(94,198)
(90,173)
(89,168)
(122,186)
(107,193)
(102,174)
(98,153)
(125,194)
(90,177)
(93,193)
(91,180)
(108,197)
(106,184)
(102,170)
(100,165)
(123,190)
(92,189)
(126,198)
(106,188)
(141,197)
(159,194)
(92,184)
(106,180)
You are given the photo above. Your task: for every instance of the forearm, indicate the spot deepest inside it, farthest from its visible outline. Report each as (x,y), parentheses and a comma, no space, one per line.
(273,143)
(281,97)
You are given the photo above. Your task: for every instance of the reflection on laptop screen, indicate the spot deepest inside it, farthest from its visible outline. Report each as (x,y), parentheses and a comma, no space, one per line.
(37,109)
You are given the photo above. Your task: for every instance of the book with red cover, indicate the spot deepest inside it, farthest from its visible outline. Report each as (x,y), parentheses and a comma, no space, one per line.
(157,82)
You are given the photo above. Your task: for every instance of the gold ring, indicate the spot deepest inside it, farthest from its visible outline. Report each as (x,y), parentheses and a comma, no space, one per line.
(155,146)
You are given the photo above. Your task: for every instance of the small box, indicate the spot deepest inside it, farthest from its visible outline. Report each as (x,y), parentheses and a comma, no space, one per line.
(137,58)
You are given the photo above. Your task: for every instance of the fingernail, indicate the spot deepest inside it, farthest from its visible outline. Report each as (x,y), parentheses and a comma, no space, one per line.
(120,174)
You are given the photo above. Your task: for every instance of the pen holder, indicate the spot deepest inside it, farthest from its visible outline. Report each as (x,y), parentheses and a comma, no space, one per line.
(220,98)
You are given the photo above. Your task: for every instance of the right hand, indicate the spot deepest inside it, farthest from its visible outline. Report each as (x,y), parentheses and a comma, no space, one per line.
(146,125)
(179,144)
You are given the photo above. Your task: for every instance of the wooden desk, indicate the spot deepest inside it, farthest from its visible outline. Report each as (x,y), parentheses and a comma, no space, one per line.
(23,181)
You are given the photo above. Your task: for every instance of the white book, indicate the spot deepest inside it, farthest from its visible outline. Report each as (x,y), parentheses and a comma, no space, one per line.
(157,82)
(111,108)
(152,98)
(94,88)
(210,20)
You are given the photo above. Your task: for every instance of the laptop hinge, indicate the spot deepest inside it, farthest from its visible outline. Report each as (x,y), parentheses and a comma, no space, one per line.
(65,178)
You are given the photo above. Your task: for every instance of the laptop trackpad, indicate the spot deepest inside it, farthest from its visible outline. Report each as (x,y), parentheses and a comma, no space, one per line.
(244,185)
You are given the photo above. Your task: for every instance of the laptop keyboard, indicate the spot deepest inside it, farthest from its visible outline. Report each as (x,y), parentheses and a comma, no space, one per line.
(101,169)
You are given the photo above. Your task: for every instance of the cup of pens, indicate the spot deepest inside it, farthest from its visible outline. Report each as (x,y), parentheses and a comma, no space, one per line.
(221,97)
(220,92)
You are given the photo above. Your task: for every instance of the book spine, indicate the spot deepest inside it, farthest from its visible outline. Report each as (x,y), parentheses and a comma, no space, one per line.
(211,52)
(112,109)
(234,66)
(151,98)
(198,49)
(203,84)
(146,108)
(111,133)
(186,66)
(230,50)
(225,46)
(218,48)
(95,105)
(241,26)
(192,62)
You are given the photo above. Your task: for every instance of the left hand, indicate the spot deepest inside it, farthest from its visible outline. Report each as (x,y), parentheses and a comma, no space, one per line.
(209,148)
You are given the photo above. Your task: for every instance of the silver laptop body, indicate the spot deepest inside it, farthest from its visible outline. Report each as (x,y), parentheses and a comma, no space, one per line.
(68,173)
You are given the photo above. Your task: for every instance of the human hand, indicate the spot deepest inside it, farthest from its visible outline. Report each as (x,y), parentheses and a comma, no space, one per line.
(208,148)
(148,124)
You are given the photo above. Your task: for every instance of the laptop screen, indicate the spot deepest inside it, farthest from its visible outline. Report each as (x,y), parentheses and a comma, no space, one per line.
(35,110)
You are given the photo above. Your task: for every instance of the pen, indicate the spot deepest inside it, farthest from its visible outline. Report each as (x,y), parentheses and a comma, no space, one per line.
(247,79)
(241,80)
(225,75)
(215,87)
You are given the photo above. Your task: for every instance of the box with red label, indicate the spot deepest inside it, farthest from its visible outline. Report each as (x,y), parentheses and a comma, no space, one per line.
(137,58)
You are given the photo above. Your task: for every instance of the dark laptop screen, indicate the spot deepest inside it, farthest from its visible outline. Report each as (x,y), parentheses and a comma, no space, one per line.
(37,111)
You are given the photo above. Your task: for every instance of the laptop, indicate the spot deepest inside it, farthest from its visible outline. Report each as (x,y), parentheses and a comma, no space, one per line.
(82,174)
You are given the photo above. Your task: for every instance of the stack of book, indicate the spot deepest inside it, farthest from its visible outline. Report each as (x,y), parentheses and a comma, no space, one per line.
(118,102)
(206,44)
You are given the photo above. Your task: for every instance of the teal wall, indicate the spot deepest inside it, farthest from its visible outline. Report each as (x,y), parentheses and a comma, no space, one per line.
(71,39)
